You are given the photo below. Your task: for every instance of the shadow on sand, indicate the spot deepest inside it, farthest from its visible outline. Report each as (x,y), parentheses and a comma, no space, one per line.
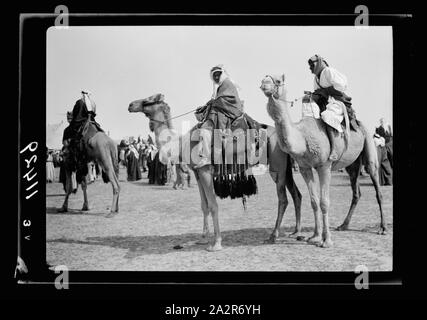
(142,245)
(153,244)
(54,210)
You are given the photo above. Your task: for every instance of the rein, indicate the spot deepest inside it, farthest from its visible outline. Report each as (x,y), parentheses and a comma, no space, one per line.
(178,116)
(276,87)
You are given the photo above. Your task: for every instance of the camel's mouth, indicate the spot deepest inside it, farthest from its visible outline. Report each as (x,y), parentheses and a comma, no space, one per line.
(267,87)
(139,105)
(135,106)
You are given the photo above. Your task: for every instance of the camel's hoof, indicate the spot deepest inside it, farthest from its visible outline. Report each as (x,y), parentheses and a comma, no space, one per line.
(62,210)
(215,247)
(111,214)
(85,208)
(342,227)
(295,234)
(203,241)
(271,240)
(300,238)
(326,244)
(314,240)
(382,231)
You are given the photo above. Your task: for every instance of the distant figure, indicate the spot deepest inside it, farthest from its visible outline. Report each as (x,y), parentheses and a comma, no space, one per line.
(133,170)
(143,156)
(66,142)
(182,174)
(385,171)
(384,130)
(91,176)
(50,170)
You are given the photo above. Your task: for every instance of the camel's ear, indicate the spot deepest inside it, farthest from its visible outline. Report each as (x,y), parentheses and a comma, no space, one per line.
(283,78)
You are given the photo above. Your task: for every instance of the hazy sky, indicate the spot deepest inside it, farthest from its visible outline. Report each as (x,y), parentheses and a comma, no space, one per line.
(122,64)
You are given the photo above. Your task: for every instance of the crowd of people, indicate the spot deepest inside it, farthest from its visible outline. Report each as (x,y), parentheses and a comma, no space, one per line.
(141,155)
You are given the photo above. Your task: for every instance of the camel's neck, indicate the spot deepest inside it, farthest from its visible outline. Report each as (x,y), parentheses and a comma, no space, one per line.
(290,138)
(161,131)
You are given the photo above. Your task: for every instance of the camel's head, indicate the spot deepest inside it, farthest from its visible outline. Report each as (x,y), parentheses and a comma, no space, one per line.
(273,86)
(148,106)
(154,109)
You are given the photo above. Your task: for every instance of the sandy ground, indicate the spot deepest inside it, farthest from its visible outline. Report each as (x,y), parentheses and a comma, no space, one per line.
(154,219)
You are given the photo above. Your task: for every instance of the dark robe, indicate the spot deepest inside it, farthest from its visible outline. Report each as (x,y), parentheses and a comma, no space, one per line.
(225,107)
(133,170)
(160,171)
(385,171)
(81,115)
(68,133)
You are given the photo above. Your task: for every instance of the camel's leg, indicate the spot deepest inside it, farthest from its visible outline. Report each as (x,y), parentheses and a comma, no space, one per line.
(308,176)
(206,182)
(85,201)
(116,191)
(372,167)
(370,161)
(281,208)
(297,199)
(353,171)
(68,190)
(325,181)
(204,204)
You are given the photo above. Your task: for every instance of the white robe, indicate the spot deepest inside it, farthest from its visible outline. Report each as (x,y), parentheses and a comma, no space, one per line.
(331,77)
(334,113)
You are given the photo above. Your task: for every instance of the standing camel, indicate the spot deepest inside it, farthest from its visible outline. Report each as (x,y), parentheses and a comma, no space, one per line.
(279,165)
(101,149)
(308,143)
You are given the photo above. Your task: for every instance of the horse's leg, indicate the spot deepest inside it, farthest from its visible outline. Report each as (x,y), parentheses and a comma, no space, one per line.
(204,204)
(325,180)
(372,165)
(308,176)
(85,201)
(353,171)
(68,190)
(206,181)
(282,204)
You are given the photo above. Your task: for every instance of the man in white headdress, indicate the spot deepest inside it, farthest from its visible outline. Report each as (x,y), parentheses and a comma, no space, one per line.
(218,113)
(329,87)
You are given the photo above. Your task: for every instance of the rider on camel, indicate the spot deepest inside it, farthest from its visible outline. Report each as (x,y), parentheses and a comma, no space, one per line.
(329,82)
(218,113)
(84,112)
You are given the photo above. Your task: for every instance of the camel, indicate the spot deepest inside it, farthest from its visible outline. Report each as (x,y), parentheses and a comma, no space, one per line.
(279,167)
(102,149)
(308,144)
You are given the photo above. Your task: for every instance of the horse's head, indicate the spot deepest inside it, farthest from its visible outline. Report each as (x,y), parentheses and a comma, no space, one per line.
(273,86)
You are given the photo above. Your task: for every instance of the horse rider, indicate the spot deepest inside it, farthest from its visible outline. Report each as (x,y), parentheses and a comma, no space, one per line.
(218,113)
(329,82)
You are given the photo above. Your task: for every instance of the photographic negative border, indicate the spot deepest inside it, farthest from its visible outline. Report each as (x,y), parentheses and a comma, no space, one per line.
(32,128)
